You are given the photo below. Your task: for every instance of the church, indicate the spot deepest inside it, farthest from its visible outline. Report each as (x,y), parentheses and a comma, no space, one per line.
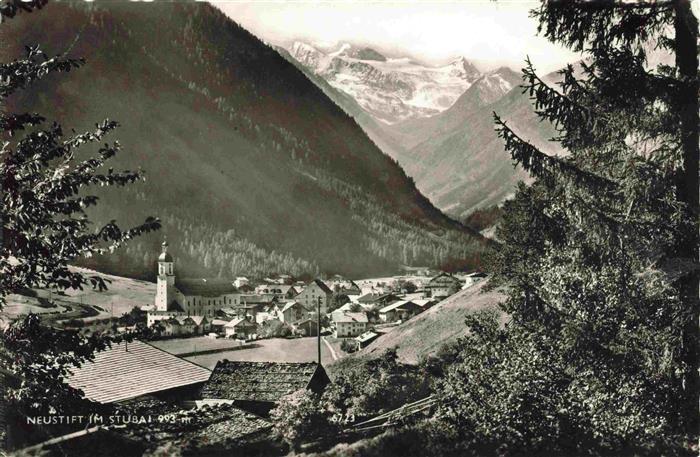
(191,297)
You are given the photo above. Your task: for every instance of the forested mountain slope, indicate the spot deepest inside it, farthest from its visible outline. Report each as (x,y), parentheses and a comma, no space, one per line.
(252,169)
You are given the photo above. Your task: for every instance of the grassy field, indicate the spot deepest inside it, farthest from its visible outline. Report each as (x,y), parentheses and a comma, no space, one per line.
(198,344)
(272,350)
(122,295)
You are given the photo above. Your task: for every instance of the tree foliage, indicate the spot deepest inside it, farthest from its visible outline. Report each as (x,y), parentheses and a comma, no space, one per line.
(45,224)
(300,417)
(46,179)
(596,356)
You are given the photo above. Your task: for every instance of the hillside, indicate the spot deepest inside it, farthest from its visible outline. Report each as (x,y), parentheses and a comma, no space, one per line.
(465,166)
(252,169)
(427,332)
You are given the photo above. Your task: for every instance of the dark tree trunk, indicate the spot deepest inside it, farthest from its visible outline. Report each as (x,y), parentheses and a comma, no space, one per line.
(686,47)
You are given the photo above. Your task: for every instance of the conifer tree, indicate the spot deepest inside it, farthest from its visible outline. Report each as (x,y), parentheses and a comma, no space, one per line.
(599,354)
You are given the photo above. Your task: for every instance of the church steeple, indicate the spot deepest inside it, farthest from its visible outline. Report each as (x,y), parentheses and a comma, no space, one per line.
(165,289)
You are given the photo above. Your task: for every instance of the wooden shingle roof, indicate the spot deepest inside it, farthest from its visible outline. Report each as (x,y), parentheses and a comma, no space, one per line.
(127,371)
(258,381)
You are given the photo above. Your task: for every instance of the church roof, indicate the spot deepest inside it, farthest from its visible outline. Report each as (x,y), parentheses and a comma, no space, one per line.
(205,287)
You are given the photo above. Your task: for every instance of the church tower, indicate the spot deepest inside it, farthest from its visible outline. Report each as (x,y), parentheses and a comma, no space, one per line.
(165,288)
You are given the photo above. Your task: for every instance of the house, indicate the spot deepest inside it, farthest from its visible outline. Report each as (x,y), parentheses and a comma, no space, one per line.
(473,278)
(400,310)
(376,300)
(343,286)
(178,323)
(280,291)
(349,324)
(267,314)
(131,370)
(292,312)
(170,327)
(218,325)
(425,303)
(316,290)
(348,308)
(240,328)
(443,285)
(366,338)
(241,281)
(258,386)
(202,324)
(306,327)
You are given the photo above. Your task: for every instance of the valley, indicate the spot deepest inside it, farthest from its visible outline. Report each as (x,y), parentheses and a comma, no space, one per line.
(249,165)
(451,150)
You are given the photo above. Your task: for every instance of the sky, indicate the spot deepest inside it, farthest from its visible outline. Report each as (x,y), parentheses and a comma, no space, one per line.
(488,33)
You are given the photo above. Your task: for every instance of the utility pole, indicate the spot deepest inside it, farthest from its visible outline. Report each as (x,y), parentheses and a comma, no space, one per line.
(318,328)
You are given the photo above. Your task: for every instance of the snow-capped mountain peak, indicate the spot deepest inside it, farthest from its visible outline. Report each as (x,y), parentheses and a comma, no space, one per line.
(390,89)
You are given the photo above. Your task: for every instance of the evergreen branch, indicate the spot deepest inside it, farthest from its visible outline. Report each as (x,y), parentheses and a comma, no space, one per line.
(562,110)
(542,165)
(601,22)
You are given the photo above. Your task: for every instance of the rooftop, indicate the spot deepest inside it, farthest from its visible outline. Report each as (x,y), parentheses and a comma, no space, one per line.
(350,317)
(258,381)
(203,287)
(367,336)
(322,285)
(129,370)
(396,305)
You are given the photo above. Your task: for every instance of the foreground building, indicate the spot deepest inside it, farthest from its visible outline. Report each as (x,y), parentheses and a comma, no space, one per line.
(131,370)
(258,386)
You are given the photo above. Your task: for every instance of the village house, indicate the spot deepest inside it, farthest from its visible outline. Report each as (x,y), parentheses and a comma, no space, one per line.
(473,278)
(443,285)
(292,312)
(343,286)
(376,300)
(312,292)
(425,303)
(178,323)
(280,291)
(306,327)
(400,310)
(218,326)
(349,324)
(268,313)
(240,328)
(366,338)
(258,386)
(241,281)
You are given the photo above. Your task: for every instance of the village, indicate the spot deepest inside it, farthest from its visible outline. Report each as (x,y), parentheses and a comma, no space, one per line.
(356,312)
(227,352)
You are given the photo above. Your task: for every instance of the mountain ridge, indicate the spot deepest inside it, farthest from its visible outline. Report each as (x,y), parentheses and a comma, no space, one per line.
(238,136)
(454,155)
(391,89)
